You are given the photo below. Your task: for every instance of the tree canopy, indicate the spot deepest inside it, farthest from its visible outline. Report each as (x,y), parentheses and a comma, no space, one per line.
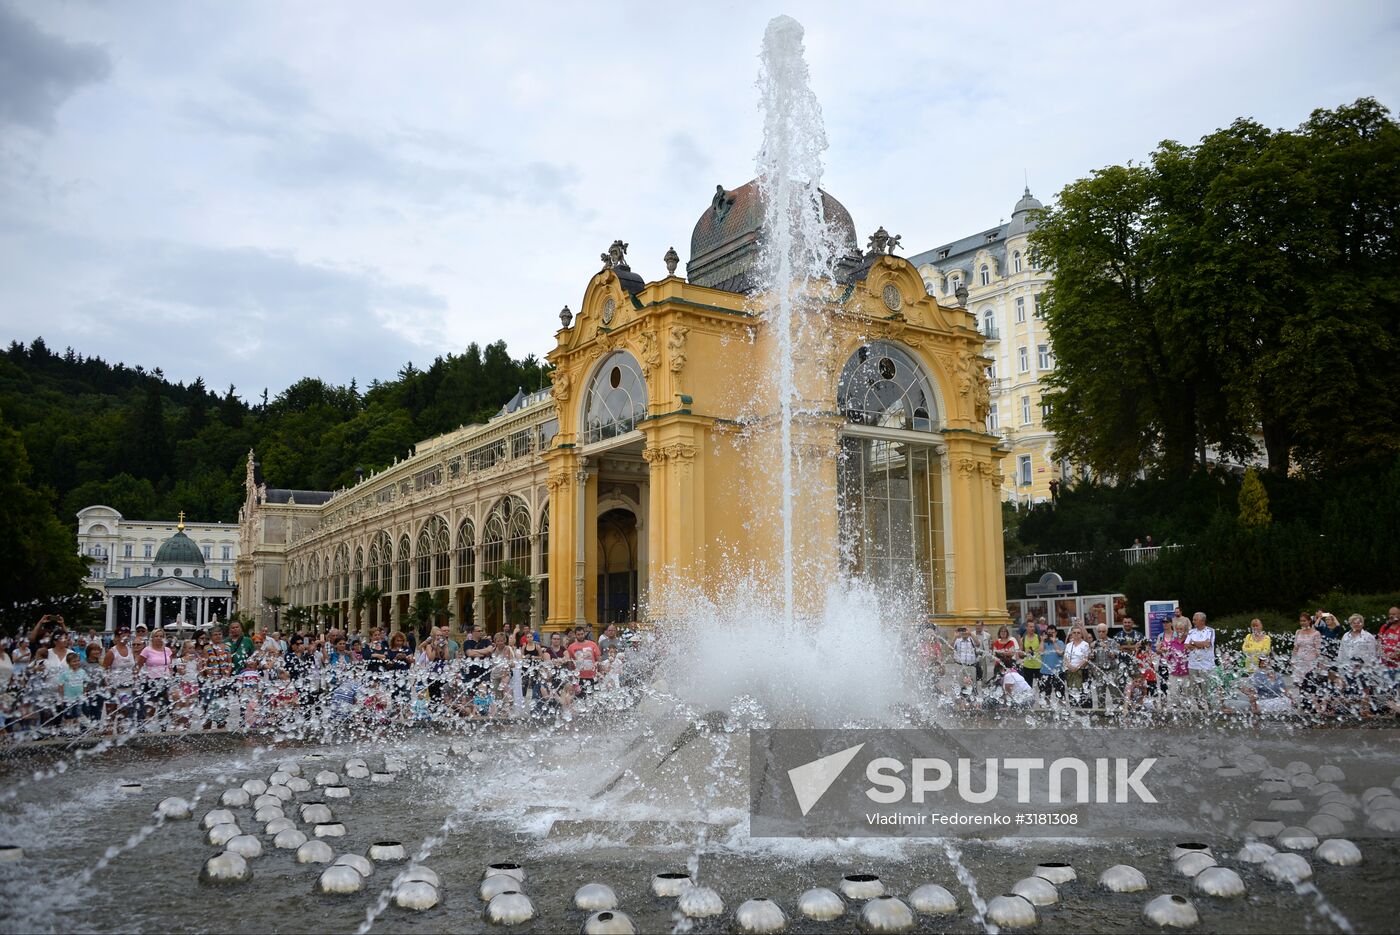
(126,436)
(1239,294)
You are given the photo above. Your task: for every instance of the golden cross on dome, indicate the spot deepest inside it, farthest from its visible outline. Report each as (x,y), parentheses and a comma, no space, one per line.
(181,527)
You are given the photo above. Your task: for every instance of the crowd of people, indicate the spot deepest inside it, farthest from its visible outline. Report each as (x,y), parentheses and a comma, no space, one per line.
(1326,670)
(56,682)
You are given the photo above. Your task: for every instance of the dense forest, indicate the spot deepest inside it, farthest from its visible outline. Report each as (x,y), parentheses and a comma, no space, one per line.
(96,432)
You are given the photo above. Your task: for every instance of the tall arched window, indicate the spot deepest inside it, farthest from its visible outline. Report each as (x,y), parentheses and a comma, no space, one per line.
(989,326)
(616,400)
(890,483)
(466,552)
(442,553)
(881,385)
(405,547)
(425,557)
(518,540)
(357,573)
(1016,261)
(493,537)
(315,579)
(986,275)
(544,539)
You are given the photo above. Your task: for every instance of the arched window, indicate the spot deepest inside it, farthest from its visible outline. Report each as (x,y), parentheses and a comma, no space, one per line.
(404,548)
(1016,261)
(381,554)
(953,282)
(544,540)
(616,399)
(315,579)
(986,275)
(442,553)
(881,385)
(493,537)
(340,574)
(988,323)
(518,540)
(425,557)
(466,552)
(357,582)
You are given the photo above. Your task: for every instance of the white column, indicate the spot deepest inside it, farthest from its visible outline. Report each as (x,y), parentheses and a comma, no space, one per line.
(140,600)
(157,621)
(111,602)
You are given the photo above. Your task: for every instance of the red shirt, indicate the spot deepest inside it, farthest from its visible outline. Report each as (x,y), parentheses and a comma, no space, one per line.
(1390,645)
(585,655)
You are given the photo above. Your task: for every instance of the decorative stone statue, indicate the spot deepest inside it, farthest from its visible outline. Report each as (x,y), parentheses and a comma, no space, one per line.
(617,255)
(960,293)
(883,242)
(566,317)
(672,259)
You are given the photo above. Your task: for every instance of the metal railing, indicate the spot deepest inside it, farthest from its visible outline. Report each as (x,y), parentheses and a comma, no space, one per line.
(1059,561)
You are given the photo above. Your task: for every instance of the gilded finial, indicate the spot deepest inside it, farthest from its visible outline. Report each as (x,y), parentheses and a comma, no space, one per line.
(181,525)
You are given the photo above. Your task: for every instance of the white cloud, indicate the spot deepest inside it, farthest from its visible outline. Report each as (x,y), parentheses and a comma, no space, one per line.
(411,177)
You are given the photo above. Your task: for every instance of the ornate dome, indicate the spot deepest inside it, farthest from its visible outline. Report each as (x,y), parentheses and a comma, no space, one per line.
(1023,215)
(179,549)
(724,245)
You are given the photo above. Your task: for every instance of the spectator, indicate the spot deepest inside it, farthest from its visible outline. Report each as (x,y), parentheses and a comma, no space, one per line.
(1076,664)
(1388,640)
(1357,645)
(1030,653)
(1005,649)
(1015,690)
(153,674)
(1200,661)
(1052,667)
(240,647)
(965,658)
(1106,667)
(1331,632)
(1307,648)
(584,655)
(477,650)
(1171,649)
(1257,643)
(216,680)
(120,665)
(610,639)
(985,661)
(1266,689)
(70,684)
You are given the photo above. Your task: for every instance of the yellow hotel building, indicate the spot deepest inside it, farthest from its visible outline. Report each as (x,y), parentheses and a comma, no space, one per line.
(647,467)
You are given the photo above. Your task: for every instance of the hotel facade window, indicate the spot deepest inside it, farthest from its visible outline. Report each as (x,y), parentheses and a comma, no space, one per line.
(993,419)
(986,275)
(1016,261)
(1025,410)
(1043,355)
(1021,310)
(1023,470)
(1023,360)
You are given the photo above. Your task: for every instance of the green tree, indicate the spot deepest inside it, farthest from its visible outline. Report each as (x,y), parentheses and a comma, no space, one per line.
(429,608)
(368,596)
(39,558)
(1254,501)
(1245,285)
(509,594)
(276,602)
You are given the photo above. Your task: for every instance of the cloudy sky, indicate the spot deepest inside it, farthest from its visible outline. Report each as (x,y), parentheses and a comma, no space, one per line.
(258,191)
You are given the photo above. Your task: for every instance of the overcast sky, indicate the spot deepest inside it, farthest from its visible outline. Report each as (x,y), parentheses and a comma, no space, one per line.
(256,192)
